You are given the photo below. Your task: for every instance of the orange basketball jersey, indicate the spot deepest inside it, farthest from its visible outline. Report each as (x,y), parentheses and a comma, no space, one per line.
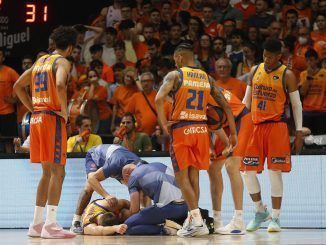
(43,85)
(191,96)
(234,102)
(268,95)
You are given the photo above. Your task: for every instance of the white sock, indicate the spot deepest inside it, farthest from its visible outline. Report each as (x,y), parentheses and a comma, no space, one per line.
(76,218)
(259,207)
(217,215)
(197,220)
(276,213)
(51,216)
(238,214)
(38,215)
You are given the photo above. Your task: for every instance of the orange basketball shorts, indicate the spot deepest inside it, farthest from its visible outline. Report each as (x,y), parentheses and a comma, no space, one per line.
(244,127)
(268,140)
(48,138)
(189,145)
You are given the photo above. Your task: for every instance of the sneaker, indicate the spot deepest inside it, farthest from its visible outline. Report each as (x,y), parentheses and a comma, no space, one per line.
(77,228)
(193,230)
(217,225)
(274,225)
(54,231)
(235,227)
(35,230)
(256,222)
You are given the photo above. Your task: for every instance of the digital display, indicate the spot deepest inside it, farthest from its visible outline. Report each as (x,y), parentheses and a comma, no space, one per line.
(36,13)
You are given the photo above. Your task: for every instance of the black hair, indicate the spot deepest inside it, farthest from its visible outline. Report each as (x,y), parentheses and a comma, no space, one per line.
(126,24)
(111,30)
(64,36)
(311,53)
(221,39)
(289,42)
(109,219)
(238,33)
(132,116)
(273,45)
(28,56)
(120,44)
(95,63)
(292,11)
(80,119)
(185,45)
(95,48)
(118,65)
(153,41)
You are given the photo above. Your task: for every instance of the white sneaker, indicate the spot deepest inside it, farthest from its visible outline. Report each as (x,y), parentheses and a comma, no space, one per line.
(235,227)
(192,230)
(217,225)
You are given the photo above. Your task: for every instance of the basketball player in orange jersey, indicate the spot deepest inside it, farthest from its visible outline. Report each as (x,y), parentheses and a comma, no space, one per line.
(266,96)
(189,148)
(244,127)
(48,82)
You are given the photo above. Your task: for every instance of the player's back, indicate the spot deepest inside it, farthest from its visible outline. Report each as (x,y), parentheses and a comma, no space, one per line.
(191,96)
(268,94)
(43,84)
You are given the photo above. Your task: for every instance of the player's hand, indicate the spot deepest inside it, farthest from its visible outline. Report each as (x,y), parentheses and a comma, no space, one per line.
(121,229)
(212,156)
(227,151)
(298,142)
(17,142)
(233,140)
(112,201)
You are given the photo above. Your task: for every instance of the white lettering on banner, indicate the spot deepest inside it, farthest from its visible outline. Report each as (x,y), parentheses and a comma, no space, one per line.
(9,40)
(195,130)
(36,120)
(192,116)
(41,100)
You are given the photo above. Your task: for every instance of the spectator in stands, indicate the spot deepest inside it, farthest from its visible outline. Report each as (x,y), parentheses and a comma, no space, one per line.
(8,118)
(108,55)
(249,60)
(158,139)
(219,47)
(287,54)
(247,8)
(174,40)
(236,55)
(228,28)
(81,30)
(112,13)
(205,53)
(304,12)
(143,105)
(129,37)
(148,32)
(212,27)
(118,79)
(106,73)
(132,140)
(291,26)
(319,36)
(77,68)
(183,18)
(120,54)
(313,90)
(275,30)
(166,13)
(122,95)
(163,67)
(85,139)
(254,38)
(226,12)
(19,148)
(195,30)
(155,21)
(302,44)
(261,19)
(99,94)
(224,79)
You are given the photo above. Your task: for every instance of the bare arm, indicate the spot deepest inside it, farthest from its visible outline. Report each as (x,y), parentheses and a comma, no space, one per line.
(94,180)
(247,98)
(169,82)
(98,230)
(221,101)
(62,76)
(20,88)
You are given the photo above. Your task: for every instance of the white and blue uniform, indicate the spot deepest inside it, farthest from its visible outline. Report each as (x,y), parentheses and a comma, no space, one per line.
(156,181)
(112,158)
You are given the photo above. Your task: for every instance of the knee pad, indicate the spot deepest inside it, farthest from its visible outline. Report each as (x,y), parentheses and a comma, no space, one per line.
(251,181)
(276,183)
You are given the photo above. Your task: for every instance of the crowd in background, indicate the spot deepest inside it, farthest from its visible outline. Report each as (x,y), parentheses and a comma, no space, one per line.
(122,56)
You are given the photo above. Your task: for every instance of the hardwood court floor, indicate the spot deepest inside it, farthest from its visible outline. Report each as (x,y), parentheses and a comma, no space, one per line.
(261,237)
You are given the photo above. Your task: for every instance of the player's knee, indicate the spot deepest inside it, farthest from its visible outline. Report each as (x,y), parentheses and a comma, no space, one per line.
(276,183)
(251,181)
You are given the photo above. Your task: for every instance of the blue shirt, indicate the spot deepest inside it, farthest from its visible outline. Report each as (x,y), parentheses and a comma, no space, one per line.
(157,181)
(112,158)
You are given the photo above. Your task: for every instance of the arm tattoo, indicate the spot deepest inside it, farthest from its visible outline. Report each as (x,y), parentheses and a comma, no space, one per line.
(217,95)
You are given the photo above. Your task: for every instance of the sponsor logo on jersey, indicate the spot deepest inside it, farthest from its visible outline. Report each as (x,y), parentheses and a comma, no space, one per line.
(278,160)
(36,120)
(195,130)
(192,116)
(251,161)
(41,100)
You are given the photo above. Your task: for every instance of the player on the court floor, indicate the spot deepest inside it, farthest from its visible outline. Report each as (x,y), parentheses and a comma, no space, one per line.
(100,219)
(269,85)
(189,148)
(47,79)
(102,162)
(232,163)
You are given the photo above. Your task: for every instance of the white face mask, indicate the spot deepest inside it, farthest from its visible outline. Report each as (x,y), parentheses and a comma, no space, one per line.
(303,40)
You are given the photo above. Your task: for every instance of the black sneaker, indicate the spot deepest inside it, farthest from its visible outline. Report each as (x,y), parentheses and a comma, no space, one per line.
(76,228)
